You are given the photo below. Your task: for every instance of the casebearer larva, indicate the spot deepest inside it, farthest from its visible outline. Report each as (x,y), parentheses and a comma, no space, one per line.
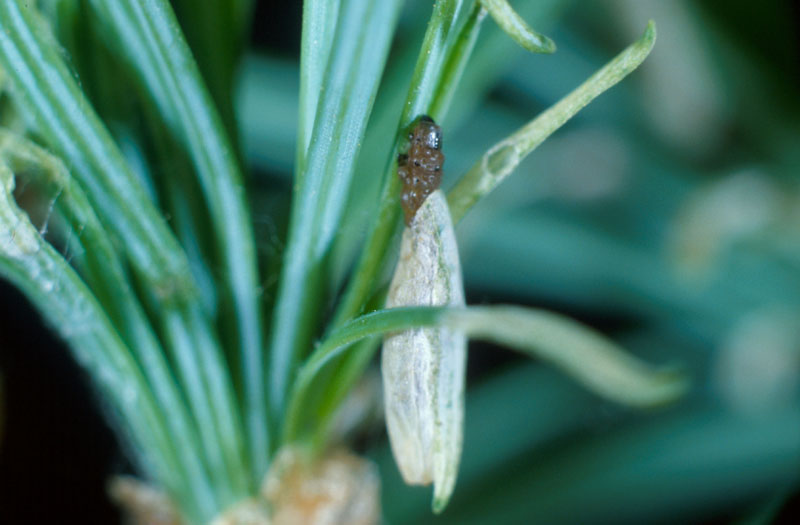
(423,369)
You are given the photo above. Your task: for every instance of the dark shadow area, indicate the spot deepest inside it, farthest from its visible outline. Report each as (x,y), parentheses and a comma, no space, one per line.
(56,451)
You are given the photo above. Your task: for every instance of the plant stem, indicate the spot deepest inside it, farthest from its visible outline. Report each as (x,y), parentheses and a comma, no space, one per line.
(440,62)
(109,280)
(46,90)
(459,55)
(357,58)
(502,158)
(426,86)
(152,40)
(49,95)
(515,27)
(216,31)
(57,291)
(589,357)
(338,341)
(319,26)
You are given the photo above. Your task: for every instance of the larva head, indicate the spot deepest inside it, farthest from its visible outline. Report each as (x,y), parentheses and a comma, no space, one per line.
(426,132)
(420,169)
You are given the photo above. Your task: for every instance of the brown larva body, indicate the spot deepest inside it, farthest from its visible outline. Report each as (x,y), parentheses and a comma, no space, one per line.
(421,168)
